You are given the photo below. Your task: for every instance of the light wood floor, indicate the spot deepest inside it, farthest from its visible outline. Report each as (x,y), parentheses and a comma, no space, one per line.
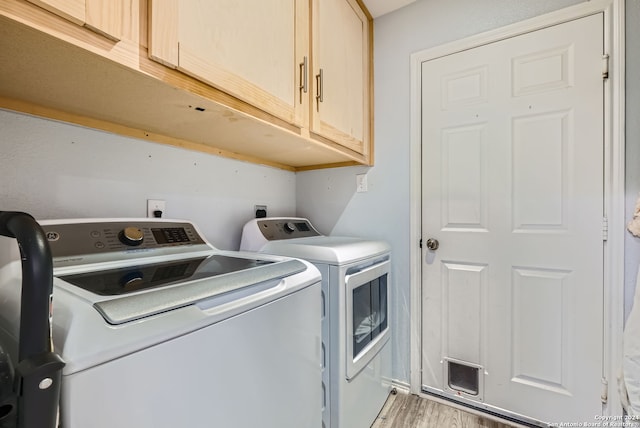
(411,411)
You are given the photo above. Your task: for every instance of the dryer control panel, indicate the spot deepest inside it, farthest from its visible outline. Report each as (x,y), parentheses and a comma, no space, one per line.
(257,232)
(286,228)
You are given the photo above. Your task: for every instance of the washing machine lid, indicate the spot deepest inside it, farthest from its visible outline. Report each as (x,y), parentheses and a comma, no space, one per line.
(131,279)
(334,250)
(137,292)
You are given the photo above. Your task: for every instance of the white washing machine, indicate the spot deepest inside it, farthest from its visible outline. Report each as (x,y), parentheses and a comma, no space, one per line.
(355,313)
(159,329)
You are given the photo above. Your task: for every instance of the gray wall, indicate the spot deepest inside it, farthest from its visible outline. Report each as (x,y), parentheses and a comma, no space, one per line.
(328,197)
(56,170)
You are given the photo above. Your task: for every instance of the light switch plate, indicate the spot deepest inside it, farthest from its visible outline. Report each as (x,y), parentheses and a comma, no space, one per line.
(361,183)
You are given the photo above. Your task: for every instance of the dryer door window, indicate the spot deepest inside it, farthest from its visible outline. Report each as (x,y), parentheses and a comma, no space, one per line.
(367,317)
(369,313)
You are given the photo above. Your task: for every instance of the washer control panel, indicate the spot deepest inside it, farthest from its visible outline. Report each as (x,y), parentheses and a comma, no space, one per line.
(85,239)
(286,228)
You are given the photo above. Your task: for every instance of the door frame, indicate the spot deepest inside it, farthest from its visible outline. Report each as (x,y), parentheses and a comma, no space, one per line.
(614,179)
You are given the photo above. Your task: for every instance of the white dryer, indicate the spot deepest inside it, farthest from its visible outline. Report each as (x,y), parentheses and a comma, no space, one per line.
(160,329)
(355,313)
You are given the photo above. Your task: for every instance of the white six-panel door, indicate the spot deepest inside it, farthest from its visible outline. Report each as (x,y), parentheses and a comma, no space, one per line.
(512,182)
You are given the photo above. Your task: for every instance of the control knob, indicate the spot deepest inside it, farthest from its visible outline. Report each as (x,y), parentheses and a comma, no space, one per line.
(289,227)
(132,236)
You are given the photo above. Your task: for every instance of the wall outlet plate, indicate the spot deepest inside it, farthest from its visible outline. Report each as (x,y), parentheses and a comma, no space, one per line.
(154,205)
(260,208)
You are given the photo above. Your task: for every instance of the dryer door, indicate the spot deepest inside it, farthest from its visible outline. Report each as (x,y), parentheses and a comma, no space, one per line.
(367,296)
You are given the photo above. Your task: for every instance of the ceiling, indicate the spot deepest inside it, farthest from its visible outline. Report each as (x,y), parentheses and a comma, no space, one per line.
(380,7)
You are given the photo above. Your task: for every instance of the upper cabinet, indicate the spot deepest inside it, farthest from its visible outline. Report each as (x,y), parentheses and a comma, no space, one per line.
(342,70)
(105,17)
(256,51)
(306,62)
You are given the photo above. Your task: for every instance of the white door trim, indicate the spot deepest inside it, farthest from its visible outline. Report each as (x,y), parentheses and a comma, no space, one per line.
(614,171)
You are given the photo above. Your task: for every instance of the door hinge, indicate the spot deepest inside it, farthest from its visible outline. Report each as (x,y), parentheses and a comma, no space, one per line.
(605,228)
(605,66)
(604,396)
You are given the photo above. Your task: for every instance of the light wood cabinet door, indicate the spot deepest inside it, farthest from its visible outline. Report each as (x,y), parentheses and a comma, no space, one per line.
(105,17)
(71,10)
(255,50)
(341,68)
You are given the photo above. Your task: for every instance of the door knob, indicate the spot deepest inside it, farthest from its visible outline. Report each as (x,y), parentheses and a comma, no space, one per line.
(432,244)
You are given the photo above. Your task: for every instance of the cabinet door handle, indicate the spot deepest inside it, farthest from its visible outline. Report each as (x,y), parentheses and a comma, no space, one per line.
(319,91)
(303,78)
